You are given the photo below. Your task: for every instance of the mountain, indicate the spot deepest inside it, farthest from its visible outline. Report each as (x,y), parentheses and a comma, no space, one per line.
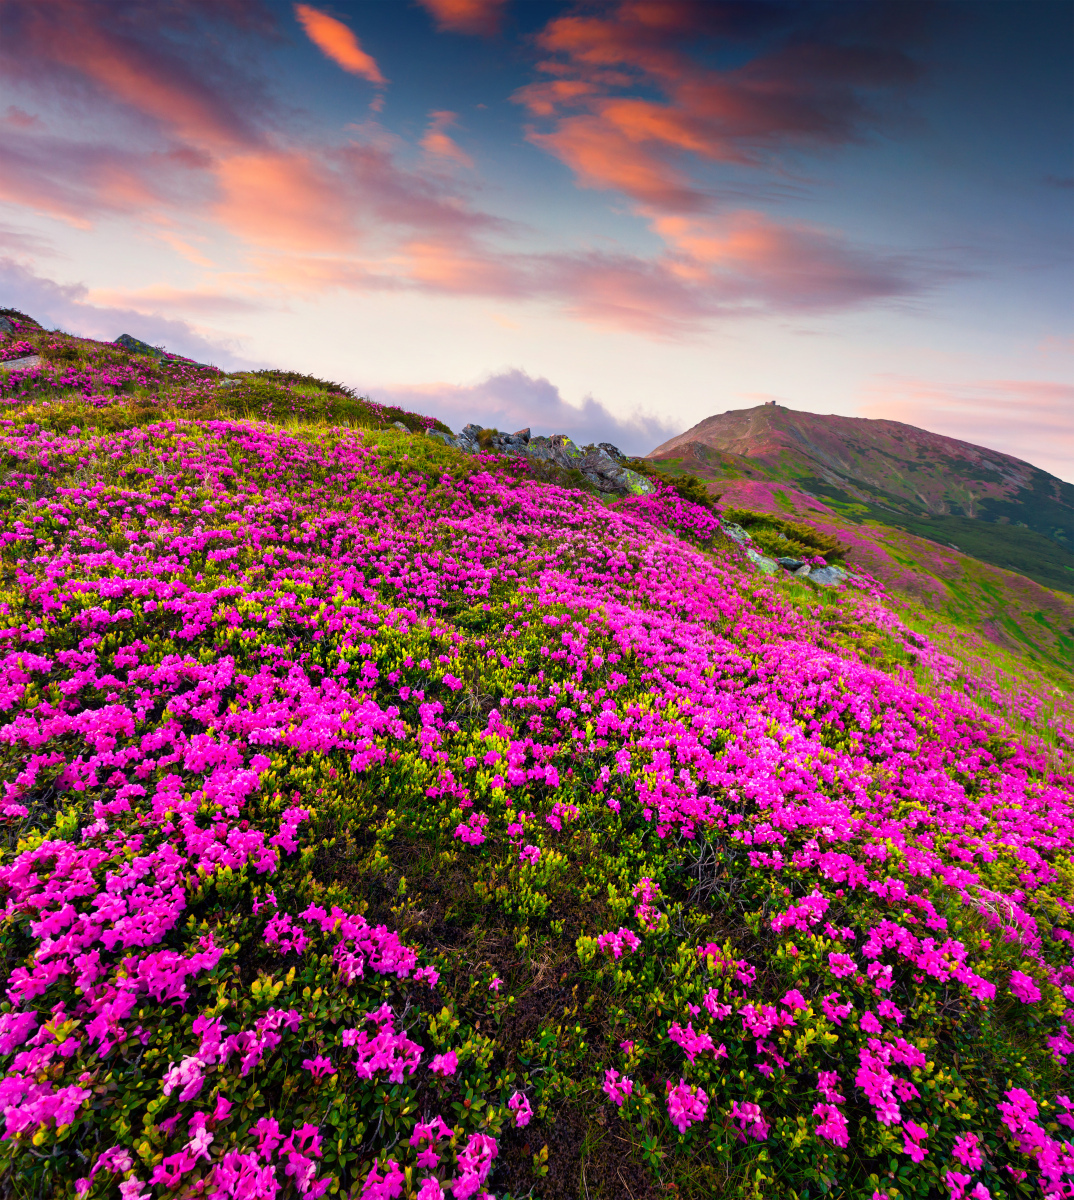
(991,505)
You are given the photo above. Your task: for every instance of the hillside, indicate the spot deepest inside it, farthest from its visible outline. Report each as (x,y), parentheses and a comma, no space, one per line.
(384,817)
(995,507)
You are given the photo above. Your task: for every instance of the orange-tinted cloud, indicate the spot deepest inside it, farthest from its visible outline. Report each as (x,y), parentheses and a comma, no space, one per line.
(806,87)
(466,16)
(1028,418)
(285,199)
(437,142)
(337,42)
(89,49)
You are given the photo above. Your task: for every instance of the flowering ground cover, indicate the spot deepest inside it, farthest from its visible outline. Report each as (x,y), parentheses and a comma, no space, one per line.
(381,821)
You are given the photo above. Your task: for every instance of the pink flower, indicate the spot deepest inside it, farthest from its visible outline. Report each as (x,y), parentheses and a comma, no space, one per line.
(520,1106)
(913,1139)
(686,1105)
(967,1150)
(444,1064)
(617,1087)
(888,1010)
(834,1125)
(495,985)
(841,964)
(749,1118)
(1024,988)
(870,1024)
(319,1066)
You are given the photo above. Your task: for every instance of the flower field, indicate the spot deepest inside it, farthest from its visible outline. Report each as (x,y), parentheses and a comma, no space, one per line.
(383,822)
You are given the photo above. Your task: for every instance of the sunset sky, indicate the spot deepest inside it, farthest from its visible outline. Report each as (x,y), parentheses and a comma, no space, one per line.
(609,218)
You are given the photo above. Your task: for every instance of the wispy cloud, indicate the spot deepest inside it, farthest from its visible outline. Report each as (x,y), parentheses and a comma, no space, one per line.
(480,17)
(338,42)
(69,307)
(813,85)
(511,399)
(1030,419)
(440,144)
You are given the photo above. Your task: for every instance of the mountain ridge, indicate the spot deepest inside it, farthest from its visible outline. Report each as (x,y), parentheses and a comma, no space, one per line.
(942,488)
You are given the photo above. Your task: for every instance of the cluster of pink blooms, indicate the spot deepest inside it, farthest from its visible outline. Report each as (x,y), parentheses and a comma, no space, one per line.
(288,559)
(687,1105)
(615,943)
(472,1165)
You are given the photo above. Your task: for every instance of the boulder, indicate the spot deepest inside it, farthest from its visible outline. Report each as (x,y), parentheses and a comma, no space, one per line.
(768,565)
(441,436)
(400,426)
(790,564)
(20,364)
(828,576)
(736,533)
(522,435)
(6,326)
(802,571)
(137,347)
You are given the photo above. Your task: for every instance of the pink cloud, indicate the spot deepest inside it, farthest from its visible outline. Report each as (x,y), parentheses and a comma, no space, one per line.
(803,90)
(21,120)
(438,143)
(69,307)
(155,64)
(338,42)
(466,16)
(1029,419)
(509,400)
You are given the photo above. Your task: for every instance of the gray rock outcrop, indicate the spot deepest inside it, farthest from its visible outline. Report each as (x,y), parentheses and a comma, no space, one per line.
(603,466)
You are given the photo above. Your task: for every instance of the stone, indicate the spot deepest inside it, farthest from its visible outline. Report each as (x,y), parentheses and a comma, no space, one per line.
(21,364)
(400,426)
(790,564)
(441,436)
(736,533)
(523,435)
(6,326)
(612,451)
(136,347)
(802,571)
(828,576)
(768,565)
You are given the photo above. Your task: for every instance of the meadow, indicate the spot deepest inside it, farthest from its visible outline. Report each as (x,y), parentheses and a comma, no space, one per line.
(382,821)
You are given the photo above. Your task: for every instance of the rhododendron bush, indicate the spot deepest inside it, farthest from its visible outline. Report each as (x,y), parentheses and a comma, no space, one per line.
(383,823)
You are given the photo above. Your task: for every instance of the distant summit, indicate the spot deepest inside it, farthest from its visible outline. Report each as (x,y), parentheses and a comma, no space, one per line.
(935,486)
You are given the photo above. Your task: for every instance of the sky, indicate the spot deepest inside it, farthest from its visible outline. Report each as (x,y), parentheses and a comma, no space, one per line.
(610,219)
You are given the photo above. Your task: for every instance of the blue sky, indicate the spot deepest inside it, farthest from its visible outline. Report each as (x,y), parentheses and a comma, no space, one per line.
(610,218)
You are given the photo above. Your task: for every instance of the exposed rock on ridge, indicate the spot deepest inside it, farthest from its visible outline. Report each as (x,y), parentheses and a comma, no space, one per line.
(603,465)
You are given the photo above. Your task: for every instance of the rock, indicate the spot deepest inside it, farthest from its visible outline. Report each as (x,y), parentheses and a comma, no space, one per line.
(802,571)
(768,565)
(400,426)
(441,436)
(612,451)
(736,533)
(21,364)
(6,326)
(136,347)
(828,576)
(522,435)
(790,564)
(609,475)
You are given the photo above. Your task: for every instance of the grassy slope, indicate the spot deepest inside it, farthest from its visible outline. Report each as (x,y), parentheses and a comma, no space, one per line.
(1028,614)
(1028,549)
(478,918)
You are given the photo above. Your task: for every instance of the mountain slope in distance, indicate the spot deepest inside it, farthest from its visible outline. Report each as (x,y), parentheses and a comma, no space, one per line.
(990,505)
